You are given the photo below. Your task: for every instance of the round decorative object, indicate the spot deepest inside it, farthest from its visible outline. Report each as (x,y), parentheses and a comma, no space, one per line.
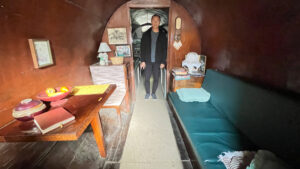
(192,63)
(56,96)
(27,109)
(192,57)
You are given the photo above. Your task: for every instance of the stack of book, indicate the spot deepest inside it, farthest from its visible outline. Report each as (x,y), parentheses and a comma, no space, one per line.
(180,74)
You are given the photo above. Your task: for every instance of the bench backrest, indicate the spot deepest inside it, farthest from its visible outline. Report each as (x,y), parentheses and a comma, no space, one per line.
(268,119)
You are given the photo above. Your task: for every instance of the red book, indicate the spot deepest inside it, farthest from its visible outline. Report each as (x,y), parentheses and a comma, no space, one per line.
(53,119)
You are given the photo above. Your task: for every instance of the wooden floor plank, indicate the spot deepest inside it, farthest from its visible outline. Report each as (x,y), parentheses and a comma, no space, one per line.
(23,155)
(84,153)
(69,154)
(116,133)
(87,156)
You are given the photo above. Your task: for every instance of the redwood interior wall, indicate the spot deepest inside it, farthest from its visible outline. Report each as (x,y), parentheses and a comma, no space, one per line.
(255,40)
(74,28)
(190,36)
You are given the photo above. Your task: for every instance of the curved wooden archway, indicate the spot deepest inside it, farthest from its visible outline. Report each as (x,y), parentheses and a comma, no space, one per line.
(190,36)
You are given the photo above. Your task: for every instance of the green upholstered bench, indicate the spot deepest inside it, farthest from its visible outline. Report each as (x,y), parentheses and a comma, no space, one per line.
(239,116)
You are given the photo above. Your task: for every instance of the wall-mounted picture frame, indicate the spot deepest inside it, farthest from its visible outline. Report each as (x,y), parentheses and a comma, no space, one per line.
(202,60)
(40,52)
(117,36)
(123,50)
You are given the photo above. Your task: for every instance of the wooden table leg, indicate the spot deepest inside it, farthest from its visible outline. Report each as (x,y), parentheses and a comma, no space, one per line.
(98,134)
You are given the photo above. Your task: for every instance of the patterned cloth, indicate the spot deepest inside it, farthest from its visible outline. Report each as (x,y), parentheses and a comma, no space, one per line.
(236,159)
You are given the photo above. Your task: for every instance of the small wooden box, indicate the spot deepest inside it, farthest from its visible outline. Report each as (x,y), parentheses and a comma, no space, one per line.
(194,82)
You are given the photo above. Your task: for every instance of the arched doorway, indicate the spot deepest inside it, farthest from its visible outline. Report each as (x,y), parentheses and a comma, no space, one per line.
(140,23)
(190,36)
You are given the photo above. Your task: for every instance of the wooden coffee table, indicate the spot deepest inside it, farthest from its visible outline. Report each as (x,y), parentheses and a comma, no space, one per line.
(85,108)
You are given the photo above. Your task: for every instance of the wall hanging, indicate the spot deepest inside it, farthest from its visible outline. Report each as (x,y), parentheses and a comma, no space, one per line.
(40,52)
(123,50)
(117,36)
(203,64)
(177,43)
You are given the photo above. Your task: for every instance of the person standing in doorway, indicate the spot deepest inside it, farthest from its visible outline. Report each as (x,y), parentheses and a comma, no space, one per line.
(153,54)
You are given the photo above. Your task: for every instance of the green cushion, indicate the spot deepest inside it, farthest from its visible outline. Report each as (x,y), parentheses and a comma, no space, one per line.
(200,116)
(210,145)
(269,119)
(209,131)
(193,95)
(236,113)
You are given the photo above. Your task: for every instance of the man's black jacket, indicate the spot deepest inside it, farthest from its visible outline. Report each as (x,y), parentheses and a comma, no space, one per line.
(161,47)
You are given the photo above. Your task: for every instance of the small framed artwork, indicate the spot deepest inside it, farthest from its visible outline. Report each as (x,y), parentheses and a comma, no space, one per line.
(117,36)
(40,52)
(202,63)
(123,50)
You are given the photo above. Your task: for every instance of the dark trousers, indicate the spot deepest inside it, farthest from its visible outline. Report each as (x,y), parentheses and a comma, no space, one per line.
(152,68)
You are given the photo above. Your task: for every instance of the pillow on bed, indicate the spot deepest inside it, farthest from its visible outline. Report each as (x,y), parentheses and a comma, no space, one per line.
(193,95)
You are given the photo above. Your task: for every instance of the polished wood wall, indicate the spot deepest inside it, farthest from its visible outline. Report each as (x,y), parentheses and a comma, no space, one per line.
(190,37)
(74,29)
(255,40)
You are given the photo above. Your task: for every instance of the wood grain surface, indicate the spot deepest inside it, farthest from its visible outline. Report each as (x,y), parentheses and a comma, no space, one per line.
(74,29)
(194,82)
(254,40)
(85,108)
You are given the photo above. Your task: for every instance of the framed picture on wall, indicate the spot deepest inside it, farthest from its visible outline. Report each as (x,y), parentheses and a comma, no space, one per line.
(117,36)
(202,63)
(40,52)
(123,50)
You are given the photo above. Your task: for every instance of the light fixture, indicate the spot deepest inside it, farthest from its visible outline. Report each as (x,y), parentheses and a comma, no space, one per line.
(103,49)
